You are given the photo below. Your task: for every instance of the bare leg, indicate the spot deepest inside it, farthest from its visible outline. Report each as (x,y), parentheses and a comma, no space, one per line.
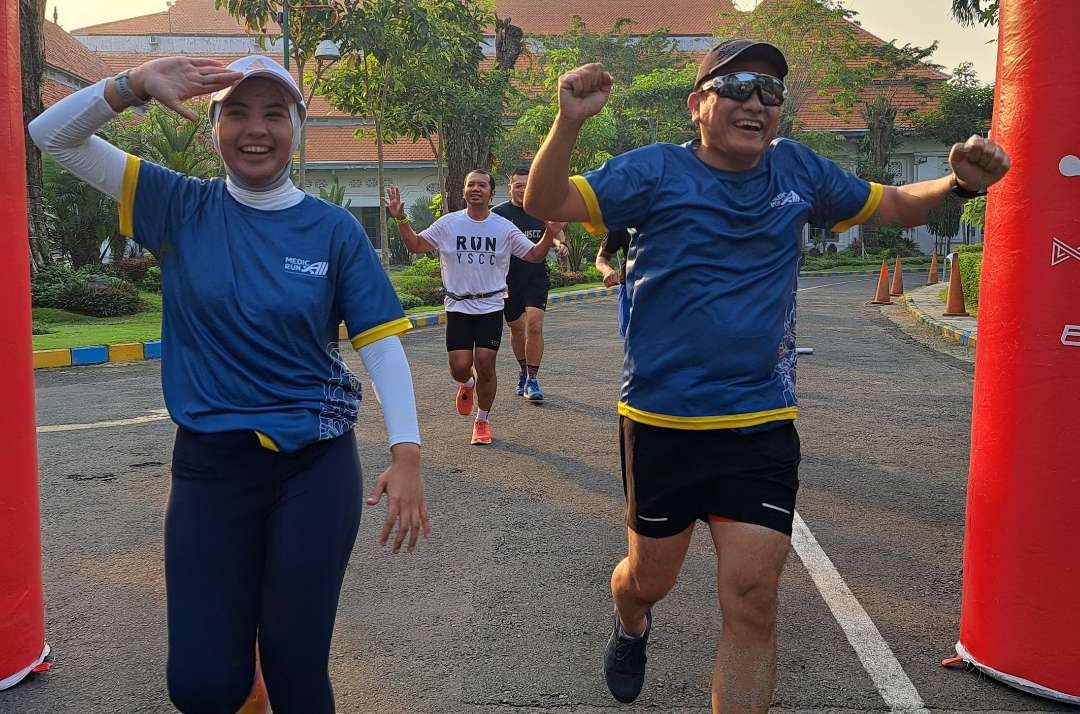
(461,365)
(646,575)
(486,381)
(749,561)
(534,336)
(517,337)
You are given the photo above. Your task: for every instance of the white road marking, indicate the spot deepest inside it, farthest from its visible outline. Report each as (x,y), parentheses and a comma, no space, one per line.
(881,664)
(155,415)
(864,279)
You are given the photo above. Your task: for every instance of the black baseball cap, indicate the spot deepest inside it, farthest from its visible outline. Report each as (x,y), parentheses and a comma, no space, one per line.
(728,50)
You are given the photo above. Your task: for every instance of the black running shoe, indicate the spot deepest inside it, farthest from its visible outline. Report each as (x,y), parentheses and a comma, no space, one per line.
(624,662)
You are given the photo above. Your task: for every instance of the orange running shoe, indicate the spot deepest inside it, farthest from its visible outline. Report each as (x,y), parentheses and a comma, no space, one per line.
(481,432)
(464,401)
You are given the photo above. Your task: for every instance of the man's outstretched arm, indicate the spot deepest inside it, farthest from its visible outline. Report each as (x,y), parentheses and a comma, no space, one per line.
(976,165)
(550,195)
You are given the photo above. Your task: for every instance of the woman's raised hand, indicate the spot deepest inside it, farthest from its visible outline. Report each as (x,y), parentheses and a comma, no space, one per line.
(171,80)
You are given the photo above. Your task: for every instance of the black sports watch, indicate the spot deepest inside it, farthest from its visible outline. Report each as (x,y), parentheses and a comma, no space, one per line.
(964,193)
(123,88)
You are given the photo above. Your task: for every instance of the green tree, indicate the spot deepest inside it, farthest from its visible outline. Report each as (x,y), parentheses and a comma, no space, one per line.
(477,122)
(968,12)
(964,107)
(377,38)
(822,45)
(32,53)
(647,104)
(80,218)
(446,82)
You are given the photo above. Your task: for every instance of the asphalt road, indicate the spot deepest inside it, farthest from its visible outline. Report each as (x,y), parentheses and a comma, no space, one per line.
(507,607)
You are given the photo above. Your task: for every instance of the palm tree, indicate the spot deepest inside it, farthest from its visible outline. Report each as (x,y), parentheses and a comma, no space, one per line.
(173,142)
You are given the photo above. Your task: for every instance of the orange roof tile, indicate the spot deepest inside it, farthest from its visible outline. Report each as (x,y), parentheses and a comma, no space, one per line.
(339,143)
(682,17)
(64,52)
(52,92)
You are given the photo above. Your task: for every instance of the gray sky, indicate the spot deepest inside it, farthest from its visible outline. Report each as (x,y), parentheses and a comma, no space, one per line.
(918,22)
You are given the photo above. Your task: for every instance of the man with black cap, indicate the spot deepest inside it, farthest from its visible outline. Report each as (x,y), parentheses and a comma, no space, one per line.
(708,399)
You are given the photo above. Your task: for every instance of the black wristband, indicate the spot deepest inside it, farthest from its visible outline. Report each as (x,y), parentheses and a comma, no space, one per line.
(964,193)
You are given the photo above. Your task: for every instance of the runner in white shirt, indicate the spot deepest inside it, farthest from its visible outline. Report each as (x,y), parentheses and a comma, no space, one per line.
(474,247)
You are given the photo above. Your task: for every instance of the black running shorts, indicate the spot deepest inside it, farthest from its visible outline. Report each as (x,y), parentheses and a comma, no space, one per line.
(672,477)
(532,291)
(465,332)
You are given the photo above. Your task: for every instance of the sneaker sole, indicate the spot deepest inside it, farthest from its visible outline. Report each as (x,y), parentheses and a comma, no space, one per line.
(481,442)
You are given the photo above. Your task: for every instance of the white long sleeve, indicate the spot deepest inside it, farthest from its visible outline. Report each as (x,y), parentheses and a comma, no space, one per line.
(388,368)
(65,131)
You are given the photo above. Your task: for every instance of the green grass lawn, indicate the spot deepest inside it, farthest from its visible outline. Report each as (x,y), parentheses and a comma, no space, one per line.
(73,330)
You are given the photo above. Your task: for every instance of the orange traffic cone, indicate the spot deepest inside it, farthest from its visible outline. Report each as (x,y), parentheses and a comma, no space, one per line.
(882,296)
(897,280)
(932,278)
(954,304)
(258,702)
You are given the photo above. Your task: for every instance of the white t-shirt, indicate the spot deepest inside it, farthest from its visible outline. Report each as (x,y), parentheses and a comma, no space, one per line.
(475,256)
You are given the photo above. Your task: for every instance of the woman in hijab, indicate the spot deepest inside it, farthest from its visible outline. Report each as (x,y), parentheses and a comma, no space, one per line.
(256,277)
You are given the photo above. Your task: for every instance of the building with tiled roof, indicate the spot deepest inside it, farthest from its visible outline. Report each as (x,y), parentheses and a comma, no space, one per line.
(337,149)
(69,65)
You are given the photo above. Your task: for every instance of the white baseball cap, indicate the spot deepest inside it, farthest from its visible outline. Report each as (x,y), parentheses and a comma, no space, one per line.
(261,66)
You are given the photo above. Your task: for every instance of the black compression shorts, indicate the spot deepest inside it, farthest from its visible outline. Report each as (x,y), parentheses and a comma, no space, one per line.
(672,477)
(529,292)
(466,332)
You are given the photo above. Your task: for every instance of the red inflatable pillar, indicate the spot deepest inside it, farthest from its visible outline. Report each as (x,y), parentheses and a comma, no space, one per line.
(22,617)
(1020,618)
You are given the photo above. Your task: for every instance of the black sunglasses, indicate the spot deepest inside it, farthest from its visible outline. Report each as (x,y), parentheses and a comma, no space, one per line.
(741,85)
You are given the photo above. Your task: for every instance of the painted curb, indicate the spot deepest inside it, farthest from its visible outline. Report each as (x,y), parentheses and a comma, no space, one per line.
(960,337)
(137,351)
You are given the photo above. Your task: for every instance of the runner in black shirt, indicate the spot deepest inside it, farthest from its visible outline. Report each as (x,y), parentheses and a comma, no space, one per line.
(527,288)
(611,244)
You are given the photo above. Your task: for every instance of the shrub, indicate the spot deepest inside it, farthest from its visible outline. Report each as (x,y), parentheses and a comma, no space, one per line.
(40,328)
(592,275)
(428,289)
(424,267)
(970,257)
(133,270)
(152,281)
(47,284)
(410,301)
(556,276)
(894,244)
(101,299)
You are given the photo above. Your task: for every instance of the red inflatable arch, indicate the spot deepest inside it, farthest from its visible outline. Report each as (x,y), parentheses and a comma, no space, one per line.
(22,618)
(1020,617)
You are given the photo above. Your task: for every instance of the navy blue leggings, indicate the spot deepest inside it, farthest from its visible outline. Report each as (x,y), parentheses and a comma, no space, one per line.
(256,545)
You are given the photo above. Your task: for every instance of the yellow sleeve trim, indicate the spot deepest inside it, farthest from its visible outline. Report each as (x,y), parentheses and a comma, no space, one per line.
(702,423)
(595,224)
(871,205)
(266,442)
(394,327)
(127,196)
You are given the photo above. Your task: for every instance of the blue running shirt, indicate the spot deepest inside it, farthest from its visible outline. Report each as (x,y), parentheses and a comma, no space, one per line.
(252,302)
(712,275)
